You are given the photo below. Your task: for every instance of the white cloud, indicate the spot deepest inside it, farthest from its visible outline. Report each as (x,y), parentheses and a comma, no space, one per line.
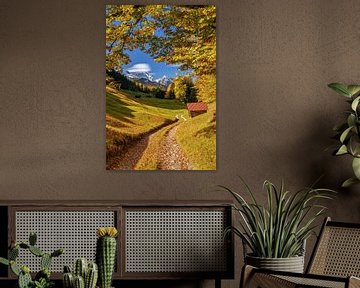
(174,65)
(139,67)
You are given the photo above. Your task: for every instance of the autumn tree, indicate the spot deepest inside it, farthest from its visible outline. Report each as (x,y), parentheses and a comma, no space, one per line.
(170,94)
(159,93)
(206,88)
(181,35)
(188,37)
(184,35)
(126,29)
(184,89)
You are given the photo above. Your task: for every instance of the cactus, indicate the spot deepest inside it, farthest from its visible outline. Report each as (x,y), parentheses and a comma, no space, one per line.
(43,274)
(24,280)
(13,253)
(105,254)
(79,282)
(42,278)
(4,261)
(36,251)
(32,238)
(24,245)
(14,268)
(87,272)
(80,268)
(67,269)
(68,280)
(45,261)
(91,276)
(57,252)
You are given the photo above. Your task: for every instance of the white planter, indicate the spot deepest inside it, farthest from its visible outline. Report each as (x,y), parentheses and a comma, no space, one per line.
(291,264)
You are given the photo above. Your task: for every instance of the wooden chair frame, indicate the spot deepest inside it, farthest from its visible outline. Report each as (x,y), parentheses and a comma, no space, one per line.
(255,277)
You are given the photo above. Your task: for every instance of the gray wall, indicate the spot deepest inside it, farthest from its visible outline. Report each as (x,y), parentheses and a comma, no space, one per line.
(275,113)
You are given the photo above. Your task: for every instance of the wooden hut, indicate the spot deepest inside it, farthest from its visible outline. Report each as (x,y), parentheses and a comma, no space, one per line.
(196,108)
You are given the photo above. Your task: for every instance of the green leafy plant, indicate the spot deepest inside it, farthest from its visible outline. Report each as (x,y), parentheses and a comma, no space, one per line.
(43,283)
(279,229)
(348,132)
(42,278)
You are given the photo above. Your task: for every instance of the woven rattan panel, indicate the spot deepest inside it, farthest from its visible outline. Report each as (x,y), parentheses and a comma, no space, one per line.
(175,241)
(75,231)
(313,282)
(338,253)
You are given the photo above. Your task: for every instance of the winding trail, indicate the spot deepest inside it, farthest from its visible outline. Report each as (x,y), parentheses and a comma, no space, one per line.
(170,155)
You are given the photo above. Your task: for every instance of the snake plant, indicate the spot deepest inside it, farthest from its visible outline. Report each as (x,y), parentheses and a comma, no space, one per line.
(279,228)
(348,132)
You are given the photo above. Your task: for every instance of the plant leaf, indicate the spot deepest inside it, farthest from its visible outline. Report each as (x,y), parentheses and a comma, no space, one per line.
(340,88)
(353,89)
(354,144)
(356,167)
(351,120)
(279,228)
(349,182)
(4,261)
(342,150)
(355,103)
(345,134)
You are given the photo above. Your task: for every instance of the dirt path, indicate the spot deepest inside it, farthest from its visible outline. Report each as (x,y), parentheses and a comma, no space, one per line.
(132,154)
(170,155)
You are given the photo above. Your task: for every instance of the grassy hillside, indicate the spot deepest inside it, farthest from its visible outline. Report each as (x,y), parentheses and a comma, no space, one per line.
(129,117)
(197,137)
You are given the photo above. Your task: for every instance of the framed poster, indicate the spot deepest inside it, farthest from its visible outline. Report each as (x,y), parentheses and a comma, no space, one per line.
(160,87)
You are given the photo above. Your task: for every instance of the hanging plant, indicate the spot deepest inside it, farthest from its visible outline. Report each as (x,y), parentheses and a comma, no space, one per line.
(348,133)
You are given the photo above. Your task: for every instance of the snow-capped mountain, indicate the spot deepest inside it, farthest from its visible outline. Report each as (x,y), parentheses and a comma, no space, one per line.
(165,81)
(147,78)
(144,76)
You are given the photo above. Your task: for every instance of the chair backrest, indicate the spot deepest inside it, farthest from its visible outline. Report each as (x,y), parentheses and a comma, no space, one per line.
(337,251)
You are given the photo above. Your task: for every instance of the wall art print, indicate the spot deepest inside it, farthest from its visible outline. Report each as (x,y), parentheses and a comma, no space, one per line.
(160,87)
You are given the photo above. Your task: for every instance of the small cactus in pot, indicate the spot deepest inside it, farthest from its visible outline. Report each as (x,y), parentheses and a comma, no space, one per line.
(106,254)
(85,275)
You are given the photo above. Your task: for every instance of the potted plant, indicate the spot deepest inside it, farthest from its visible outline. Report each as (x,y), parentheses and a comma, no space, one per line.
(106,254)
(42,278)
(348,132)
(84,274)
(276,233)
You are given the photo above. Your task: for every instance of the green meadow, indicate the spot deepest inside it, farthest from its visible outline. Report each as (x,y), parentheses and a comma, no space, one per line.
(130,116)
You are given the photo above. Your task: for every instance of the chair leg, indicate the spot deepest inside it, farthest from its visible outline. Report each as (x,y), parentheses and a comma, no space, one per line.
(354,282)
(217,283)
(251,279)
(246,273)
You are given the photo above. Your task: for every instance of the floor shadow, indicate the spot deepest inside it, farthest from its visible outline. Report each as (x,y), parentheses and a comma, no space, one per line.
(133,283)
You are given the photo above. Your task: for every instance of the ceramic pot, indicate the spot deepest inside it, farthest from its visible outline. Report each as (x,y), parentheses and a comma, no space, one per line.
(291,264)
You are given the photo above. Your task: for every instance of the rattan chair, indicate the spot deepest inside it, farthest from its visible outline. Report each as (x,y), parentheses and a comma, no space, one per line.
(334,263)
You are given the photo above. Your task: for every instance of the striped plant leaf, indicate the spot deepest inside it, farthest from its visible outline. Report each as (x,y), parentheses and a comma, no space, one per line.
(279,228)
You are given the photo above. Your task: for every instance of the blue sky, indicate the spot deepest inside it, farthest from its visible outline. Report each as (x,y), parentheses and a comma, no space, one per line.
(158,69)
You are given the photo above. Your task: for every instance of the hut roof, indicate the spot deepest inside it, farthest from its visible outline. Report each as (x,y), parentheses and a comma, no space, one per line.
(199,106)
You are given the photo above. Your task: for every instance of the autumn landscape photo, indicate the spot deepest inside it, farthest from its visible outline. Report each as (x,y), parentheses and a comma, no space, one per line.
(160,87)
